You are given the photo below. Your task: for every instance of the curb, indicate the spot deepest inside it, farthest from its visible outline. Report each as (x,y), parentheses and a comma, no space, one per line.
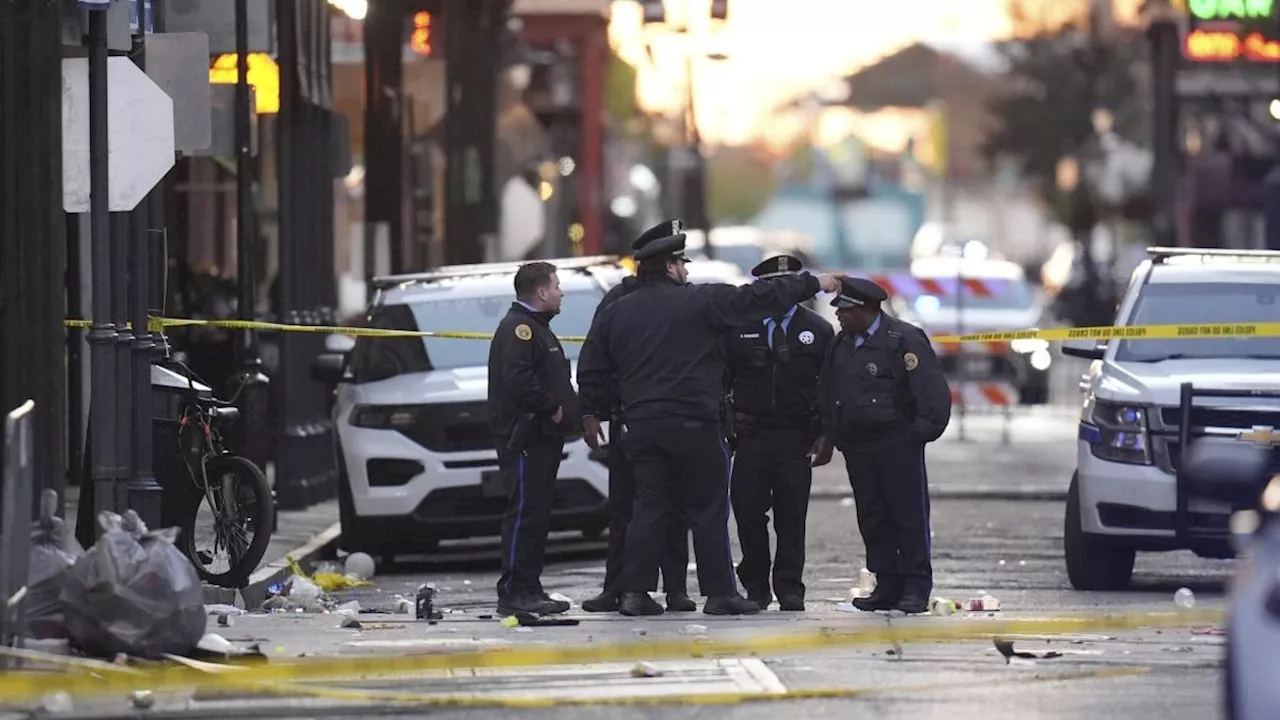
(963,492)
(255,593)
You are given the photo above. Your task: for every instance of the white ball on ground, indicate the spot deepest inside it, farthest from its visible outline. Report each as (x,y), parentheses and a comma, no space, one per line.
(359,566)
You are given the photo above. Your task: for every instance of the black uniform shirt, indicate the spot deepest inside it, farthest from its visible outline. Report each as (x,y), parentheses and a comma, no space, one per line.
(778,385)
(528,373)
(892,380)
(659,344)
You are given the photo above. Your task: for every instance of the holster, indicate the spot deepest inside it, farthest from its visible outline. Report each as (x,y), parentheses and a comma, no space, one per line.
(729,421)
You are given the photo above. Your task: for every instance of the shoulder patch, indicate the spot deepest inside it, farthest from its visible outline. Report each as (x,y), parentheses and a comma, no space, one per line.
(911,361)
(524,332)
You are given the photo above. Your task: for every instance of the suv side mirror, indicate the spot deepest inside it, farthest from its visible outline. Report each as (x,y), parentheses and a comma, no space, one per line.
(1087,349)
(1227,470)
(327,368)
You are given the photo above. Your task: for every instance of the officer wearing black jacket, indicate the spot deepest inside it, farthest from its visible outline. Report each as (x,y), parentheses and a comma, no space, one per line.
(532,408)
(773,377)
(622,492)
(883,397)
(659,347)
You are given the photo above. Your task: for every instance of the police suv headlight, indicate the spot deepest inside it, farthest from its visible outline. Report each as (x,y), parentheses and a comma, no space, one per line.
(384,417)
(1117,432)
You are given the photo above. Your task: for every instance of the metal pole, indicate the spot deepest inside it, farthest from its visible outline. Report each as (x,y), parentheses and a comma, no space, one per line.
(962,371)
(107,466)
(145,494)
(695,179)
(1163,35)
(250,382)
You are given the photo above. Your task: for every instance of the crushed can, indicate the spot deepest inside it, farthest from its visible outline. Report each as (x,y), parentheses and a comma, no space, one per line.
(986,603)
(423,606)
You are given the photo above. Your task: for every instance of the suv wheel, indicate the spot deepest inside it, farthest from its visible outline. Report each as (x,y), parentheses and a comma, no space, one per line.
(1092,563)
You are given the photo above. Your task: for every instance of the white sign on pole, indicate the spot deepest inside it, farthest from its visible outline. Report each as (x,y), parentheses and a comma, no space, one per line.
(139,134)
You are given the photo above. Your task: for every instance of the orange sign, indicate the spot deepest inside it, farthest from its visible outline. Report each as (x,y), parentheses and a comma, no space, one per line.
(422,39)
(1225,46)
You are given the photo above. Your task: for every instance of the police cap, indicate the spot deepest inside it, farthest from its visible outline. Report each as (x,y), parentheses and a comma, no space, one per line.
(780,265)
(666,238)
(858,292)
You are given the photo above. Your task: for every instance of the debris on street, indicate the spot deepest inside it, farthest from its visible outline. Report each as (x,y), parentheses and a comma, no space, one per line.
(54,551)
(1005,647)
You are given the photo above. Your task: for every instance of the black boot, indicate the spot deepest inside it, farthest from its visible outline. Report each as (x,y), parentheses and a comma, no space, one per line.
(639,604)
(680,602)
(533,604)
(791,603)
(607,601)
(913,603)
(761,600)
(882,598)
(733,604)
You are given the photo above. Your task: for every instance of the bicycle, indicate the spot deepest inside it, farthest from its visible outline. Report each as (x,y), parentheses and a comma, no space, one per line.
(229,488)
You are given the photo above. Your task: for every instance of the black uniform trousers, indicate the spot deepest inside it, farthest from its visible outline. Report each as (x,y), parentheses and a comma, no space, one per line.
(891,489)
(531,476)
(771,471)
(682,475)
(674,561)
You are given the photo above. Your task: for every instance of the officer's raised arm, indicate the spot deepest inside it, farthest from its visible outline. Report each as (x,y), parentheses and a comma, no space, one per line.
(728,306)
(928,386)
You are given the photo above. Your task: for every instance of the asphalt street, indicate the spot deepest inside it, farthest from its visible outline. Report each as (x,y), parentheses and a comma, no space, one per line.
(1009,548)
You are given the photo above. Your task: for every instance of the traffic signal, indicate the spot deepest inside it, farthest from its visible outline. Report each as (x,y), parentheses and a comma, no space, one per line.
(654,12)
(719,9)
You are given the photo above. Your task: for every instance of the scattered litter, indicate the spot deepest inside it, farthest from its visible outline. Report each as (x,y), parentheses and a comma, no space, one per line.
(222,609)
(328,567)
(424,608)
(359,566)
(216,644)
(847,607)
(134,592)
(404,605)
(351,607)
(1208,631)
(639,632)
(846,502)
(866,585)
(693,630)
(486,616)
(1022,562)
(1179,649)
(54,551)
(56,703)
(1006,649)
(350,622)
(524,629)
(895,651)
(510,622)
(530,620)
(558,597)
(142,699)
(986,603)
(466,582)
(942,606)
(382,626)
(1002,562)
(1184,598)
(226,620)
(645,670)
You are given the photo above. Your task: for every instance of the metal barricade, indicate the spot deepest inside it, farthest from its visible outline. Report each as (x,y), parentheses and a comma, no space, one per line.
(15,525)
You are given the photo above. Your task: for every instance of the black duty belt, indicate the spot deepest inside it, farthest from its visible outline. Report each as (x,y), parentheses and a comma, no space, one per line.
(766,422)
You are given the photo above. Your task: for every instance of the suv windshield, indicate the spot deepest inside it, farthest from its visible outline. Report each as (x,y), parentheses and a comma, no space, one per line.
(381,358)
(1203,303)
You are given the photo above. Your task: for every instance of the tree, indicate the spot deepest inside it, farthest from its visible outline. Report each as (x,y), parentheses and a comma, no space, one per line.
(739,185)
(1058,74)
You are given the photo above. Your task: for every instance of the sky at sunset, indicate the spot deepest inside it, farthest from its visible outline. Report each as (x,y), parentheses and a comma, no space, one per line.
(778,49)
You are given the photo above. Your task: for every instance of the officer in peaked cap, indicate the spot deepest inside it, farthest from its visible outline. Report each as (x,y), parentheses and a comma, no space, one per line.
(772,377)
(883,398)
(622,485)
(658,348)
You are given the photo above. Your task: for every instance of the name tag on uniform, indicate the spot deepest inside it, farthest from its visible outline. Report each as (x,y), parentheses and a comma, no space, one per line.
(749,336)
(553,349)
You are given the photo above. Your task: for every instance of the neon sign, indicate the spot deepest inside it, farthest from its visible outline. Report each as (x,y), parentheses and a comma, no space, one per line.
(421,41)
(1230,9)
(1209,46)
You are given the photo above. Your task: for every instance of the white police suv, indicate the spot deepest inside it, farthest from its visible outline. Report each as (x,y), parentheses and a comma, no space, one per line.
(415,453)
(1147,399)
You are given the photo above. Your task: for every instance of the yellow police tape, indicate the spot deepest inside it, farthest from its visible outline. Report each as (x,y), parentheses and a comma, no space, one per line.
(1101,332)
(15,687)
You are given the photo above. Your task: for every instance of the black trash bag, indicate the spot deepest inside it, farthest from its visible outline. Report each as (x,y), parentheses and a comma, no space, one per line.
(53,551)
(133,592)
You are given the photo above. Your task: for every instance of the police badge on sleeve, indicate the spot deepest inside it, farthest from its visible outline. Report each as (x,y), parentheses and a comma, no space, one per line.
(806,337)
(911,361)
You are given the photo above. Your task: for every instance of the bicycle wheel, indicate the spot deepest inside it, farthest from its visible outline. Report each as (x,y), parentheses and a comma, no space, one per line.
(227,540)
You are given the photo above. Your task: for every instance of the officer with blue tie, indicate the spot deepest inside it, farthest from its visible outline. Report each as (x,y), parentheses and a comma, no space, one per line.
(883,397)
(772,377)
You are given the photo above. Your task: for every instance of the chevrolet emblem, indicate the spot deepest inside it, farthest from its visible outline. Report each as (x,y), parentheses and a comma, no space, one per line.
(1263,435)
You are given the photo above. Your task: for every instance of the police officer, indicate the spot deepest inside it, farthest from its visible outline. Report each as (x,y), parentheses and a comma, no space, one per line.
(773,377)
(884,396)
(532,408)
(659,346)
(622,492)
